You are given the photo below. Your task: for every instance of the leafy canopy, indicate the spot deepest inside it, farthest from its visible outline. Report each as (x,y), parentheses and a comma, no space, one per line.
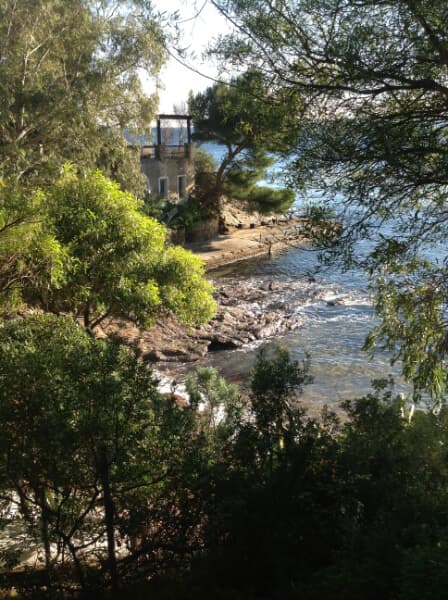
(70,85)
(244,118)
(114,258)
(372,76)
(29,252)
(86,436)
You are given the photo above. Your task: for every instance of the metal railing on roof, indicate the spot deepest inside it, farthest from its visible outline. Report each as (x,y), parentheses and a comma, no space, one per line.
(163,151)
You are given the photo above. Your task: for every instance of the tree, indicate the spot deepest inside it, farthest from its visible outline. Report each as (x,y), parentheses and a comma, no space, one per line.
(85,437)
(29,252)
(274,496)
(243,118)
(372,76)
(220,408)
(70,85)
(355,508)
(114,259)
(277,382)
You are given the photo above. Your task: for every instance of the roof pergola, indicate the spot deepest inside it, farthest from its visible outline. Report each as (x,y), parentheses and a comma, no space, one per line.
(164,117)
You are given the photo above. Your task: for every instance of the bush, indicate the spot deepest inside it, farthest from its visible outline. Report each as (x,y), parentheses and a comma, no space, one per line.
(204,162)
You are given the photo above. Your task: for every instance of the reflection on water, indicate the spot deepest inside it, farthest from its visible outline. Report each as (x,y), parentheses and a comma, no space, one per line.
(333,332)
(334,326)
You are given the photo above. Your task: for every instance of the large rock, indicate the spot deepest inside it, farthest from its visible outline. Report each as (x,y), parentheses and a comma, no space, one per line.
(248,310)
(240,215)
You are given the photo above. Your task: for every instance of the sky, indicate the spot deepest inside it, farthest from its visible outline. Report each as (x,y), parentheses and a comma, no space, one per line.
(200,23)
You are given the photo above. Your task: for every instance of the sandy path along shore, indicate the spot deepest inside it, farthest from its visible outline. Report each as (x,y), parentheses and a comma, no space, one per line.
(241,244)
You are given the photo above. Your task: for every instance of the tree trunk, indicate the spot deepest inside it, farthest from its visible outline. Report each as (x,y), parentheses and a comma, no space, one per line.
(44,530)
(47,546)
(86,316)
(78,567)
(109,514)
(46,541)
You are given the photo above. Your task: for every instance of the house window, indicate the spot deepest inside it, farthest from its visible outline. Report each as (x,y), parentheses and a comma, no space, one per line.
(182,186)
(163,187)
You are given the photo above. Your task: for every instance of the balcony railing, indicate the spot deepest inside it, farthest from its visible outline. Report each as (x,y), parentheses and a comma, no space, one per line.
(164,151)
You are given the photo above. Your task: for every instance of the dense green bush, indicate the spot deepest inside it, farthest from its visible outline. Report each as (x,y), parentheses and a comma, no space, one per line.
(92,457)
(229,496)
(204,162)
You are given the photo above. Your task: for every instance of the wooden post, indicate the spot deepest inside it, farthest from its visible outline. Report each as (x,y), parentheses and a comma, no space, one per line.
(189,130)
(159,133)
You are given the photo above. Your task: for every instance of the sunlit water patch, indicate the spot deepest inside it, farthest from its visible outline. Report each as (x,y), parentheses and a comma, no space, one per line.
(336,314)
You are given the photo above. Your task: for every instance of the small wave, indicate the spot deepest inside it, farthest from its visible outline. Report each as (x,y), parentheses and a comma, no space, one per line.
(320,318)
(169,384)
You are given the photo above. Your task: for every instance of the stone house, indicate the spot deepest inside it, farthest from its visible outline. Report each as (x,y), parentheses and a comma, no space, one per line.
(169,164)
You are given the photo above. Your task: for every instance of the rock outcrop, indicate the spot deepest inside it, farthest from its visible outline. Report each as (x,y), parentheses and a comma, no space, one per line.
(249,310)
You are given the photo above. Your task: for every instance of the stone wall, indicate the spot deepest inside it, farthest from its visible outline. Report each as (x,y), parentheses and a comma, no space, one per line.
(204,230)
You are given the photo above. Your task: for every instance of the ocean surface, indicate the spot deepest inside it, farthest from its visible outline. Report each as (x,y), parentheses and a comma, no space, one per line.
(334,326)
(333,331)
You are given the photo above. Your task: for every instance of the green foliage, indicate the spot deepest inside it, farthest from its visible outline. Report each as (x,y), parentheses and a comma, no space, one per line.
(78,244)
(115,258)
(183,287)
(204,162)
(219,404)
(317,212)
(228,114)
(242,179)
(242,176)
(353,509)
(243,117)
(181,215)
(224,497)
(61,429)
(70,86)
(277,377)
(267,200)
(175,214)
(424,573)
(29,252)
(275,452)
(416,337)
(87,441)
(372,135)
(154,205)
(85,247)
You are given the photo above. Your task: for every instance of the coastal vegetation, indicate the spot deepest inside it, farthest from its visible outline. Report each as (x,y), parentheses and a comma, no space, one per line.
(247,497)
(241,117)
(111,488)
(372,79)
(114,259)
(73,241)
(70,86)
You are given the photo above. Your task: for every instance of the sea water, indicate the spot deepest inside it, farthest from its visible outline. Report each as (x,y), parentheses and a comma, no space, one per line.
(333,331)
(334,327)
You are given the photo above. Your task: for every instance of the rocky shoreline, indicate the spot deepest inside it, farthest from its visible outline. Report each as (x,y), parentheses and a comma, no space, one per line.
(249,311)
